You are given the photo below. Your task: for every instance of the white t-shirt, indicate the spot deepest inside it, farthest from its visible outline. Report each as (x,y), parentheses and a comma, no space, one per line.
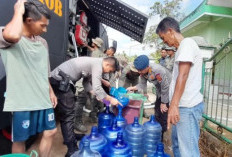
(188,51)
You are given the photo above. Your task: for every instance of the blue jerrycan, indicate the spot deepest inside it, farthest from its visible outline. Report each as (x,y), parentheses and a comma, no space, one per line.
(160,151)
(134,134)
(118,148)
(105,120)
(86,151)
(152,137)
(97,141)
(111,132)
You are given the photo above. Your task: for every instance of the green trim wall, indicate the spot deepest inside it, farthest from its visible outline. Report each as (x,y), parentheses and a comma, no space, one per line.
(211,22)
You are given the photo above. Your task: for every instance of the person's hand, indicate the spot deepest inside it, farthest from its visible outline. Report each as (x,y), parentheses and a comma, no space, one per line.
(53,99)
(106,83)
(163,108)
(85,44)
(173,115)
(114,102)
(131,88)
(19,7)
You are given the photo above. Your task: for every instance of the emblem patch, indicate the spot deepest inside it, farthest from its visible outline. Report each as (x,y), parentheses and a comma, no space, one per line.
(26,124)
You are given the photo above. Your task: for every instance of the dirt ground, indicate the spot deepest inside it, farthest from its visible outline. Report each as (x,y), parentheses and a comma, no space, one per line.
(59,149)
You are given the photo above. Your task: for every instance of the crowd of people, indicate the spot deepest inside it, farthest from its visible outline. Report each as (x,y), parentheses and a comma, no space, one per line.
(34,91)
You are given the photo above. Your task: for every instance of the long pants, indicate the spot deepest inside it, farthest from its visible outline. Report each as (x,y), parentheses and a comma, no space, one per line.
(161,117)
(185,134)
(80,103)
(66,105)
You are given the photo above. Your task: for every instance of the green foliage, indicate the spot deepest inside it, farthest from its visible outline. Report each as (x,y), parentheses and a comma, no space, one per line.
(132,58)
(169,8)
(156,56)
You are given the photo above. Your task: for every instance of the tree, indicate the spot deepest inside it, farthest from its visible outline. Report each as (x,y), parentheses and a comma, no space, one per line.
(169,8)
(156,56)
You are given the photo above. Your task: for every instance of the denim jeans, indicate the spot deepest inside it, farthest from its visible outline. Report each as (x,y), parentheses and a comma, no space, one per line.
(185,134)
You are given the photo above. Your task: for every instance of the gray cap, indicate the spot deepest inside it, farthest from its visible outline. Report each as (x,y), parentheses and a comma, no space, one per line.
(98,41)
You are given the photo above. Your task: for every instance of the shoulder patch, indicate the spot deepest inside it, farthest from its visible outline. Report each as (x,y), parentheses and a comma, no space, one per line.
(151,77)
(158,77)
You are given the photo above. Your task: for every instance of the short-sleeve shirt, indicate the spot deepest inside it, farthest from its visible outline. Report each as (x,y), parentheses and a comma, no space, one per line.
(88,68)
(188,51)
(26,65)
(98,54)
(162,86)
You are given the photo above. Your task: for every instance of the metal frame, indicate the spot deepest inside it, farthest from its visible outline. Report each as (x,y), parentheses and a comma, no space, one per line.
(216,109)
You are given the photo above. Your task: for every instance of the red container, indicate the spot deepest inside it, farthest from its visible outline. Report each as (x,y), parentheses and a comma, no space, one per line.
(132,110)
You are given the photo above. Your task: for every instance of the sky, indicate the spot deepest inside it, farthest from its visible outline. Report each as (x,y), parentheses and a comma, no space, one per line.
(131,47)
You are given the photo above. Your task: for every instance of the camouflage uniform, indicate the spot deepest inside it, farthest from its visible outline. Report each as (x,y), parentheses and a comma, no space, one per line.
(128,77)
(169,63)
(97,53)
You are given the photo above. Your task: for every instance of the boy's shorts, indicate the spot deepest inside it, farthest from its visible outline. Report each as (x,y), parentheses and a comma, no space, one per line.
(27,123)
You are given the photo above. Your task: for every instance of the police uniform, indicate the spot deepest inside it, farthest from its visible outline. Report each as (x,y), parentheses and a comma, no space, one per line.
(161,78)
(88,68)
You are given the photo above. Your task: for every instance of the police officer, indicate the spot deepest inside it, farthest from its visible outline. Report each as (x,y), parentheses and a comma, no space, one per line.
(62,79)
(82,96)
(161,78)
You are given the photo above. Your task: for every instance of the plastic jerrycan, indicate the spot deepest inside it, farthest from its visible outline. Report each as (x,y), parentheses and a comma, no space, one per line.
(112,132)
(86,151)
(152,137)
(134,134)
(105,120)
(118,148)
(97,141)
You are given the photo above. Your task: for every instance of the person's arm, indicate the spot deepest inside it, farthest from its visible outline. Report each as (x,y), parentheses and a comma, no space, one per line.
(142,85)
(106,83)
(89,47)
(53,97)
(173,113)
(87,84)
(122,78)
(13,30)
(164,84)
(97,85)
